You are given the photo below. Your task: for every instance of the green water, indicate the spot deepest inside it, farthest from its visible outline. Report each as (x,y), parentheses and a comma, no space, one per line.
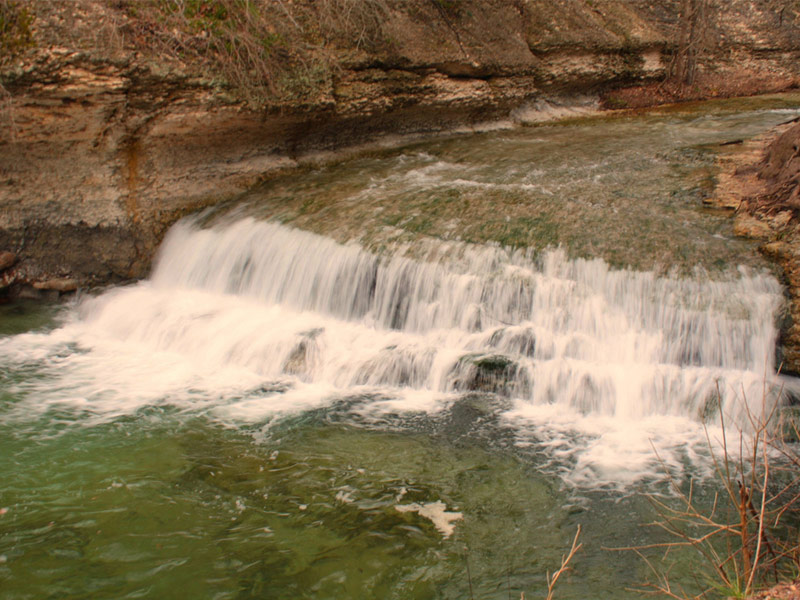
(19,317)
(159,506)
(165,503)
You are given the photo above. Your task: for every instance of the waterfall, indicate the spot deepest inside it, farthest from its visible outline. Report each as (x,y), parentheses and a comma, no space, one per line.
(540,329)
(249,318)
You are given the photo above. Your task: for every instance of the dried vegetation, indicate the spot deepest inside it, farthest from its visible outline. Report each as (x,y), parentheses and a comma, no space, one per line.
(266,50)
(749,538)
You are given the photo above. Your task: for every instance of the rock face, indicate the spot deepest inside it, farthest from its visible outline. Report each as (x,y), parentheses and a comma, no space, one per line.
(777,205)
(764,185)
(103,146)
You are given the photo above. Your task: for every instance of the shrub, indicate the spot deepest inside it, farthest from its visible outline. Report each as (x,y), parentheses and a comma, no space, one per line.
(748,539)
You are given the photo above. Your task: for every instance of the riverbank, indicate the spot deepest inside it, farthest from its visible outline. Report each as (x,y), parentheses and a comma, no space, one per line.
(115,128)
(759,181)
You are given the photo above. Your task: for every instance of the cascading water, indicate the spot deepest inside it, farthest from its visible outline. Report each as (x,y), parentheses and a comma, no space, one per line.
(288,319)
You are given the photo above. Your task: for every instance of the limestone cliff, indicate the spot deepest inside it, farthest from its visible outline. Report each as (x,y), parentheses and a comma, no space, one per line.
(106,143)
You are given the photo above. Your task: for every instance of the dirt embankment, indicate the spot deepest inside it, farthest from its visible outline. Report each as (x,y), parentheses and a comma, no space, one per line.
(118,119)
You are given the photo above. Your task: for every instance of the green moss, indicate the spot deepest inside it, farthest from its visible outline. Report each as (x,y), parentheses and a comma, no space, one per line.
(494,364)
(539,232)
(420,224)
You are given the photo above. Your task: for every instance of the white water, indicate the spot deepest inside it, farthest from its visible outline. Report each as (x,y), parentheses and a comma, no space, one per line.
(249,320)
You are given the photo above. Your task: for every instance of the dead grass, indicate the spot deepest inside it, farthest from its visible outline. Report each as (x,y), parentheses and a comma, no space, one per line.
(267,50)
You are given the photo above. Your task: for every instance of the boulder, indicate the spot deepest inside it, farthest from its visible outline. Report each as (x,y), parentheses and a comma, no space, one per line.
(493,374)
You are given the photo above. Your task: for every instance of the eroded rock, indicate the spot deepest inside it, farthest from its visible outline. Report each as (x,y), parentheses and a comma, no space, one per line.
(108,147)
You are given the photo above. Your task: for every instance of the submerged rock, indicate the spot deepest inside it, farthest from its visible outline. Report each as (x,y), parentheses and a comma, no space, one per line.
(474,415)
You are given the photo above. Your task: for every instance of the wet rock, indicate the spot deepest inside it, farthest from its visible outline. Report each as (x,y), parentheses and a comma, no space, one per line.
(468,416)
(296,363)
(518,340)
(787,424)
(776,250)
(7,259)
(8,278)
(709,410)
(300,359)
(495,374)
(394,366)
(768,181)
(61,285)
(750,227)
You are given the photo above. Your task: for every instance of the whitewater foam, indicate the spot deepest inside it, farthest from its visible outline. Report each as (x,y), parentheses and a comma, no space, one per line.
(251,320)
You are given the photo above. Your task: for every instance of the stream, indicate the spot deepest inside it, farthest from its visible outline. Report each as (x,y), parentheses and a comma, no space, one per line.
(411,374)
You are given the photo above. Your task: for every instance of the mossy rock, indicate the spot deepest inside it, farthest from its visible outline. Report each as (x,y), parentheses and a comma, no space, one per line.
(495,364)
(492,373)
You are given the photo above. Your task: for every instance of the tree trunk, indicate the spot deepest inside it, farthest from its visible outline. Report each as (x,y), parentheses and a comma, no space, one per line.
(691,30)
